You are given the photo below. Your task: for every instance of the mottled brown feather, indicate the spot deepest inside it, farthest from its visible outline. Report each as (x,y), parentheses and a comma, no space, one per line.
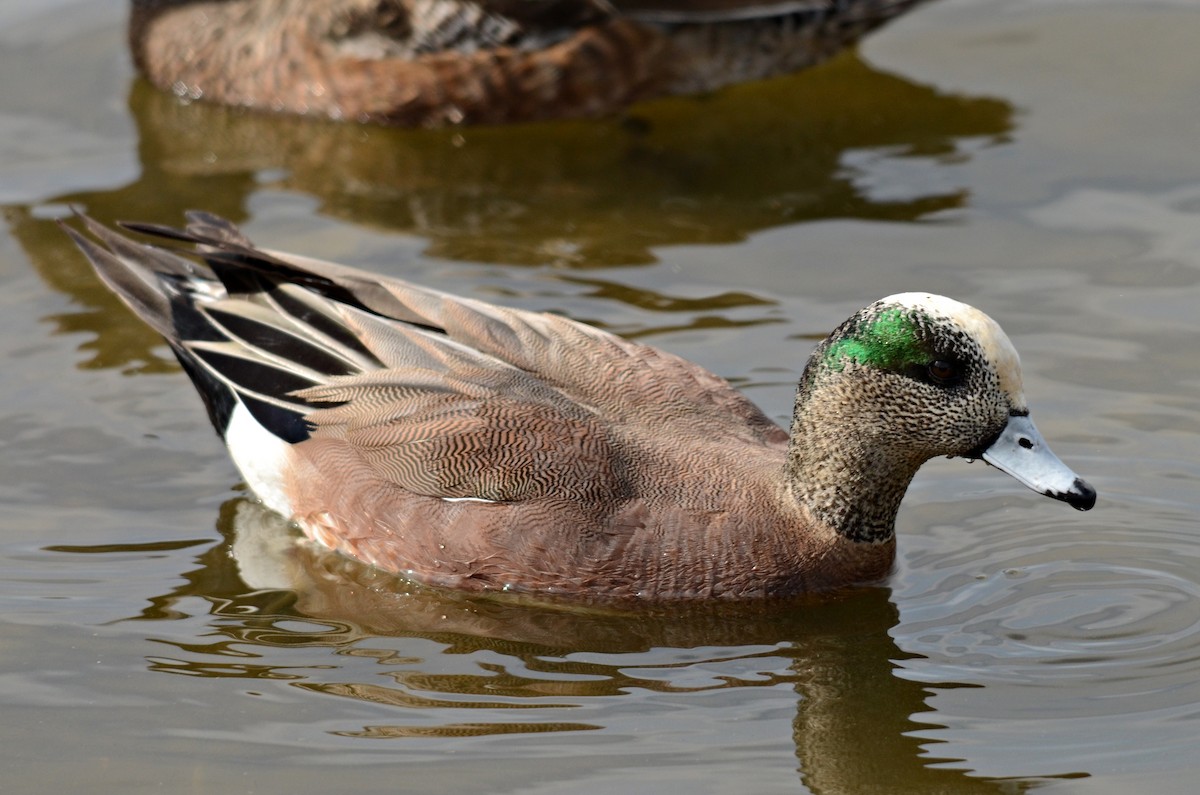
(434,62)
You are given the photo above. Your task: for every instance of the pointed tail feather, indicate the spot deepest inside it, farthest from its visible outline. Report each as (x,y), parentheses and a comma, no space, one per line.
(241,336)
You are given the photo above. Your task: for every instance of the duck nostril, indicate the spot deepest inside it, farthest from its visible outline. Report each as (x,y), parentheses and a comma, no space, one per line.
(1025,442)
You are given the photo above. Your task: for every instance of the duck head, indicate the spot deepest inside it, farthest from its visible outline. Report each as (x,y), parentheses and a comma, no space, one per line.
(908,378)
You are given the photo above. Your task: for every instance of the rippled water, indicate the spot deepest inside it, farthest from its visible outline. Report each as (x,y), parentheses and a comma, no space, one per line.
(161,632)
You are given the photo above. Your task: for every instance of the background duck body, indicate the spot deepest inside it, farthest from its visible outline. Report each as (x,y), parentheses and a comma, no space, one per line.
(435,62)
(479,447)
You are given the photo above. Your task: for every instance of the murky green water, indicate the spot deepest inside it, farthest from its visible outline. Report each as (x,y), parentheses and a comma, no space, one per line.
(160,633)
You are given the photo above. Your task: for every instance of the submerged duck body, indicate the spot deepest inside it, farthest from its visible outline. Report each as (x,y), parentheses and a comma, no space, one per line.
(479,447)
(436,62)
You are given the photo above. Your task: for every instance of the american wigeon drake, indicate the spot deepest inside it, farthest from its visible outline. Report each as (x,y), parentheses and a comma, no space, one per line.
(434,62)
(472,446)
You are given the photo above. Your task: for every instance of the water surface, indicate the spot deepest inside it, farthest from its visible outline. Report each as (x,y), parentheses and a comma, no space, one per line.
(161,632)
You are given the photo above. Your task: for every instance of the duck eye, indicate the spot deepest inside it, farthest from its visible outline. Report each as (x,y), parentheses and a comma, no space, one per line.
(942,372)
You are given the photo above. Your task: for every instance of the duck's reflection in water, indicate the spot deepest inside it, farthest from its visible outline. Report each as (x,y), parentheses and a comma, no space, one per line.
(538,663)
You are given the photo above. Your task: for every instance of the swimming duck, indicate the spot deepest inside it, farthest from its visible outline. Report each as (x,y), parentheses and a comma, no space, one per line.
(478,447)
(436,62)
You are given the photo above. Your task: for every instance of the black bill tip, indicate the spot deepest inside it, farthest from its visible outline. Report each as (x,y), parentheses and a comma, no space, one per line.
(1081,497)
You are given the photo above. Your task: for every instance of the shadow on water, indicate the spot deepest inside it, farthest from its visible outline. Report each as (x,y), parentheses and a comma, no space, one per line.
(589,194)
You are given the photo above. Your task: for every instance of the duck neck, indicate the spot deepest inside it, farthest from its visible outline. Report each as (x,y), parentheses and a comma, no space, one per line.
(842,469)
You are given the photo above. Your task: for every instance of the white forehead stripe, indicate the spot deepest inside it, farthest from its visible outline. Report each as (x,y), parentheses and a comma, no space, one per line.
(987,332)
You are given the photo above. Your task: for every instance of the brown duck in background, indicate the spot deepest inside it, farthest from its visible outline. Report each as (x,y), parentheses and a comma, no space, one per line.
(436,62)
(478,447)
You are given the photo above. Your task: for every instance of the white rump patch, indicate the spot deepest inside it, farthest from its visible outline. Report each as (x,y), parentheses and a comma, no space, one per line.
(464,499)
(262,458)
(995,343)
